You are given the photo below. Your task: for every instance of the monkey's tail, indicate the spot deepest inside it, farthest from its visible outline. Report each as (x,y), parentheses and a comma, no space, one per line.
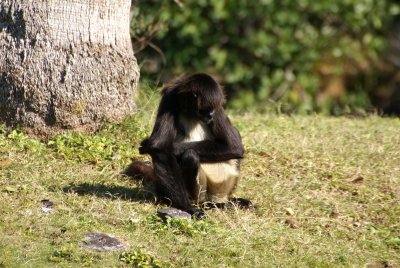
(141,170)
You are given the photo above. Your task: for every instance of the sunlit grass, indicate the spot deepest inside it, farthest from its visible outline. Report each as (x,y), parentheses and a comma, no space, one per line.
(327,191)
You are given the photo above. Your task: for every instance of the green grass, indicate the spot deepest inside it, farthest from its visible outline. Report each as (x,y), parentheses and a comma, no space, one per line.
(327,191)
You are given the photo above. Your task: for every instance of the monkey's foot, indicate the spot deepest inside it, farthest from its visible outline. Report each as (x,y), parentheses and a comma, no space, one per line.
(242,203)
(231,204)
(199,214)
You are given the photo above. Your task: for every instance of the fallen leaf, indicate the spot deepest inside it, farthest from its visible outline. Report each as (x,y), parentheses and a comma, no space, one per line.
(334,214)
(262,153)
(383,264)
(5,163)
(358,180)
(289,211)
(10,189)
(292,223)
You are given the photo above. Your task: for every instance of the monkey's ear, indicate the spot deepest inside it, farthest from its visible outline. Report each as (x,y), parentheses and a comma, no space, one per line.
(167,89)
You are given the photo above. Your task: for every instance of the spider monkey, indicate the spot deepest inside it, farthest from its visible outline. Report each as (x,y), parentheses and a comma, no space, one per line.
(194,148)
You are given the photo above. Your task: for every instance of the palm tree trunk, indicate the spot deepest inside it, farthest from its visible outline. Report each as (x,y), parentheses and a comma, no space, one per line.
(65,64)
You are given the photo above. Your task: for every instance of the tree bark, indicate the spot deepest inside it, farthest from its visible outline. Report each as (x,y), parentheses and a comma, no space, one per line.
(65,64)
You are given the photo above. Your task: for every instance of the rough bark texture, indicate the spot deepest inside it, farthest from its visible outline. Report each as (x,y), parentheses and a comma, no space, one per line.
(65,64)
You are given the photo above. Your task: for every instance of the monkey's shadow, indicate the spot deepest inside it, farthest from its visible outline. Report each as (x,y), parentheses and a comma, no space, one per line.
(138,194)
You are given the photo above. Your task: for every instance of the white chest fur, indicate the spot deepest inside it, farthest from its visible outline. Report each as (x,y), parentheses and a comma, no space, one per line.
(194,131)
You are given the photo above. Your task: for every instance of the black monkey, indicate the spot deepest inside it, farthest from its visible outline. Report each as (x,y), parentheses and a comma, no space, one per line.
(194,148)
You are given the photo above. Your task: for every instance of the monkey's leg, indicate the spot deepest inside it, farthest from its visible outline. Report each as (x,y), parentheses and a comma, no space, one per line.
(169,181)
(221,180)
(195,178)
(190,163)
(190,168)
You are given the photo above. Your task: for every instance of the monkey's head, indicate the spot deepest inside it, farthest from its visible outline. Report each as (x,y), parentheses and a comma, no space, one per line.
(199,96)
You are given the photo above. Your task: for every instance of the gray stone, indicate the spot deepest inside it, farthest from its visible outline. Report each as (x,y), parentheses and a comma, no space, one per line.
(102,242)
(164,213)
(47,205)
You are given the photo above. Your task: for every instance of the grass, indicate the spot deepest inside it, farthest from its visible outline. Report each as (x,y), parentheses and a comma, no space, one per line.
(327,191)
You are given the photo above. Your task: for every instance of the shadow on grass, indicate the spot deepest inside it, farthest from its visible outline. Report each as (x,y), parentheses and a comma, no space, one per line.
(139,194)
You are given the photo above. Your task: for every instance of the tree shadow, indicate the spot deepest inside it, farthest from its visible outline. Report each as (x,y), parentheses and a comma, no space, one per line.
(138,194)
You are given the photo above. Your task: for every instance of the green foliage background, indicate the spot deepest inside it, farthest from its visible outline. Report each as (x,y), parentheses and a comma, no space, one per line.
(266,51)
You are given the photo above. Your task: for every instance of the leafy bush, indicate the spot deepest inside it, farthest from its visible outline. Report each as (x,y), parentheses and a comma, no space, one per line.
(266,51)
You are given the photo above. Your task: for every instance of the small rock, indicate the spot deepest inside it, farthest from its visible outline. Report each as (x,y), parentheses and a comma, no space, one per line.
(102,242)
(172,213)
(46,210)
(47,203)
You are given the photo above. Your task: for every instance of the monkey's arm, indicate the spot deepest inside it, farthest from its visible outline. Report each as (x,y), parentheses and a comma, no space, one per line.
(162,136)
(226,143)
(164,130)
(210,151)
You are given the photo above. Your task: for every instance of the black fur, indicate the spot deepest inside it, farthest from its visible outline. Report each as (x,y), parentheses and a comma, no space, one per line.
(176,164)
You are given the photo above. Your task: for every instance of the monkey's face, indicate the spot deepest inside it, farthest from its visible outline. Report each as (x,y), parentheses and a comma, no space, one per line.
(206,115)
(197,107)
(204,110)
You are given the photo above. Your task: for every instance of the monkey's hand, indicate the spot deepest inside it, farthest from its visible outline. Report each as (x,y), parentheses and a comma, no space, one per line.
(147,147)
(178,148)
(144,147)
